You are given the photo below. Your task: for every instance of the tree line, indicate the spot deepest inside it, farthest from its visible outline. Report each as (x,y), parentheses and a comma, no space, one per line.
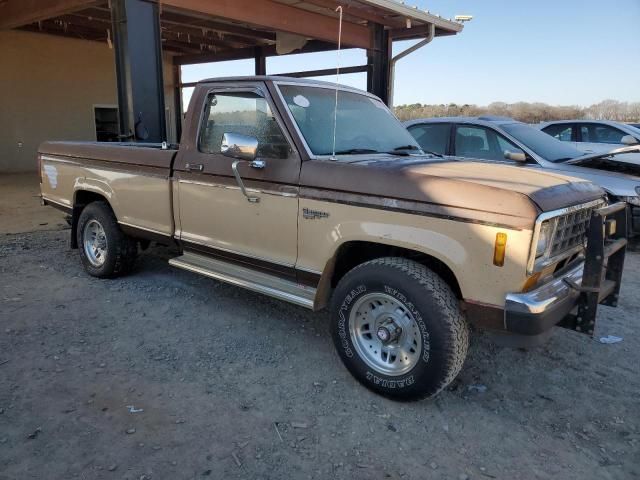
(527,112)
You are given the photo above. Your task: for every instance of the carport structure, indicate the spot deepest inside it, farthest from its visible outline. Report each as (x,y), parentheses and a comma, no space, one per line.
(202,31)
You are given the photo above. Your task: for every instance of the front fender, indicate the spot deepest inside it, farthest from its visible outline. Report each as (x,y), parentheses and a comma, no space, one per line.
(429,242)
(466,248)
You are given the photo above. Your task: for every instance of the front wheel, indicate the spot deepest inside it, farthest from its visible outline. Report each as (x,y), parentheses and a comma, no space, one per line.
(105,250)
(398,328)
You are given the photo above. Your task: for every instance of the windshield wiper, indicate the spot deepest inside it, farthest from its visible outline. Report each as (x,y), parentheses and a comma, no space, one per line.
(404,150)
(433,153)
(355,151)
(407,147)
(415,147)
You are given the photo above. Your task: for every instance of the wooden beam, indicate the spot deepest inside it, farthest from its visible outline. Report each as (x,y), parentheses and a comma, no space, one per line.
(280,17)
(325,72)
(200,21)
(195,20)
(245,53)
(194,34)
(17,13)
(80,34)
(199,33)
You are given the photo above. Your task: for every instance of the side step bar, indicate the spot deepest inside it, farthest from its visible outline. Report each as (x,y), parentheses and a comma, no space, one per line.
(245,277)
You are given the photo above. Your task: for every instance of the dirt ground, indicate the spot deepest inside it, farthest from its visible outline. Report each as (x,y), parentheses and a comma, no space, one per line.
(168,375)
(20,209)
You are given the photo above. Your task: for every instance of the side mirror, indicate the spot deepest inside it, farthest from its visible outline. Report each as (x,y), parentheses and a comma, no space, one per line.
(235,145)
(515,156)
(629,140)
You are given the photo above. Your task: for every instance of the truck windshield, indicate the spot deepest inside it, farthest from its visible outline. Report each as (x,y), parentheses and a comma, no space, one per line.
(364,125)
(545,145)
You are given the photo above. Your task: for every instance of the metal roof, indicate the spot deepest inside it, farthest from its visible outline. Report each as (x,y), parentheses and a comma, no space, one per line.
(414,13)
(223,28)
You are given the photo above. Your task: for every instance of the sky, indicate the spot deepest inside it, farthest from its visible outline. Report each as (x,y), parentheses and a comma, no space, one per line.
(562,52)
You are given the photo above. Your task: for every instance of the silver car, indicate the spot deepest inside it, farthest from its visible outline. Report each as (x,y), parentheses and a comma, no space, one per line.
(504,140)
(595,136)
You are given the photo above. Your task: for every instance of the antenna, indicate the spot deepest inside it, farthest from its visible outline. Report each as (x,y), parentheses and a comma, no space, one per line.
(335,108)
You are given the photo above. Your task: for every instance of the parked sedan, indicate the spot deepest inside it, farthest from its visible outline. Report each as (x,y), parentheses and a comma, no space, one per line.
(504,140)
(595,136)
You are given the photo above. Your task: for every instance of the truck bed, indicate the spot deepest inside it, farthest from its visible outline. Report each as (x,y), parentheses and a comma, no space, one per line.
(142,154)
(133,178)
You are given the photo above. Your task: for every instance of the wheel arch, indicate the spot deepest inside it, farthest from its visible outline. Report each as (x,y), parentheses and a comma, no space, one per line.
(354,252)
(81,198)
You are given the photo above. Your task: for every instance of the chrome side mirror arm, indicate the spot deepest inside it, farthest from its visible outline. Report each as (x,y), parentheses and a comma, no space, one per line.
(258,164)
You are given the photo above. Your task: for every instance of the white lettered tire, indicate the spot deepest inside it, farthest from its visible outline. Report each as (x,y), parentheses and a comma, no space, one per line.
(398,328)
(105,251)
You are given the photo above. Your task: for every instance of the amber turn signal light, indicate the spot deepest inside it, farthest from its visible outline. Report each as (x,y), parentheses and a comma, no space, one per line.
(500,249)
(531,281)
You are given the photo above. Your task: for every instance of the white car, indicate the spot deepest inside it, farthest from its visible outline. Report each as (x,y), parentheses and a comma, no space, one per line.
(595,136)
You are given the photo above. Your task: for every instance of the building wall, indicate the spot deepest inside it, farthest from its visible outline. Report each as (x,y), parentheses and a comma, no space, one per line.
(48,88)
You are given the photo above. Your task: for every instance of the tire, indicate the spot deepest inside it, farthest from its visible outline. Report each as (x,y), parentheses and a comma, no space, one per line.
(116,252)
(396,292)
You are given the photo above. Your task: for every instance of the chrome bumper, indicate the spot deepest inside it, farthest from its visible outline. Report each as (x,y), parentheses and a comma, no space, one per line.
(572,297)
(535,312)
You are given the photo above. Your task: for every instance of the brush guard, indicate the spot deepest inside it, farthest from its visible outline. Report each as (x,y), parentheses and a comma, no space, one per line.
(603,265)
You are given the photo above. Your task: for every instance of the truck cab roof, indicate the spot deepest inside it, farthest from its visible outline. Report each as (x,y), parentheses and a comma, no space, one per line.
(276,78)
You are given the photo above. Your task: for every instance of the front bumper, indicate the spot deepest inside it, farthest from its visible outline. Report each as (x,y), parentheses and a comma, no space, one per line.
(535,312)
(572,297)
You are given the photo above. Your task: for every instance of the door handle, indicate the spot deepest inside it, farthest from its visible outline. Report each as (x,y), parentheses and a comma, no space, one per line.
(259,164)
(194,167)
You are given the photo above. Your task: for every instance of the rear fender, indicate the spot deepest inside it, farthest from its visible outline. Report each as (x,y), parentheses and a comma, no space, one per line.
(98,189)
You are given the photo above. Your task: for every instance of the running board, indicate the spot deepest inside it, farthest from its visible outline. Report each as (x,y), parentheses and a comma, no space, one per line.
(245,277)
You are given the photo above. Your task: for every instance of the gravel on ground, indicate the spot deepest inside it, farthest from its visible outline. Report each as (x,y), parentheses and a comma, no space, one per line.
(168,375)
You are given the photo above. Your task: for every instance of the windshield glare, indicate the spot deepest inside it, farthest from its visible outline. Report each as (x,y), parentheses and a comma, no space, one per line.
(363,124)
(541,143)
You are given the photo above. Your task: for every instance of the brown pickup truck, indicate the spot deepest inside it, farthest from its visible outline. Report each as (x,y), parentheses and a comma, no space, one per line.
(276,189)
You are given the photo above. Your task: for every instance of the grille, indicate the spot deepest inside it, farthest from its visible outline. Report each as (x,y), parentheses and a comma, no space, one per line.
(635,220)
(571,230)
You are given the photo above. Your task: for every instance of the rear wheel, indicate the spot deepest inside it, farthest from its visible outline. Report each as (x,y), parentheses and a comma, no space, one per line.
(105,251)
(398,328)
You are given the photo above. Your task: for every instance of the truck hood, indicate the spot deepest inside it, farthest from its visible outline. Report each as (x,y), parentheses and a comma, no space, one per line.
(509,178)
(472,190)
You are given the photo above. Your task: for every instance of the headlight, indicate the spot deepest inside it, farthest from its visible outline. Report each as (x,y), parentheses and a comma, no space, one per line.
(544,238)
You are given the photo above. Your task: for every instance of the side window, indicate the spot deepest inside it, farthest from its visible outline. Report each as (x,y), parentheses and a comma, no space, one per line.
(561,131)
(432,137)
(480,142)
(246,113)
(595,133)
(504,144)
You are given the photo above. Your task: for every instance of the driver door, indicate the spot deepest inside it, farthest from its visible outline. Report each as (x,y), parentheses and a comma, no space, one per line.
(215,216)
